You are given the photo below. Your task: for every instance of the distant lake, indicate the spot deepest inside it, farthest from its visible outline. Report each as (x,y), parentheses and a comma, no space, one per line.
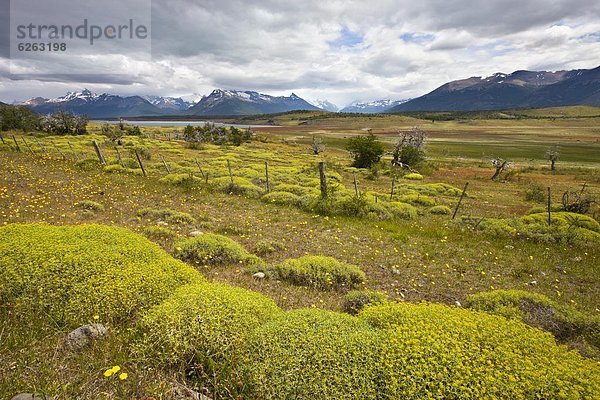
(181,123)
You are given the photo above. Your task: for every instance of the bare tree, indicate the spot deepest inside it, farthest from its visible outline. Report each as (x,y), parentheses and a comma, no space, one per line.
(409,148)
(317,145)
(552,156)
(500,165)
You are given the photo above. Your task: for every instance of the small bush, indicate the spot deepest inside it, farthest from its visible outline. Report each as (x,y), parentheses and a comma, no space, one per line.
(417,200)
(320,272)
(440,210)
(90,205)
(563,321)
(356,300)
(240,186)
(158,233)
(264,247)
(308,354)
(536,193)
(497,227)
(402,210)
(413,177)
(564,220)
(72,273)
(181,180)
(553,208)
(296,189)
(88,164)
(166,215)
(113,168)
(204,324)
(213,249)
(435,351)
(282,198)
(180,218)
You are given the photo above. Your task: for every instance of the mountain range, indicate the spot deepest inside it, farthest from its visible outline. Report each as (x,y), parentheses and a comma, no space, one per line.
(520,89)
(233,102)
(372,107)
(219,102)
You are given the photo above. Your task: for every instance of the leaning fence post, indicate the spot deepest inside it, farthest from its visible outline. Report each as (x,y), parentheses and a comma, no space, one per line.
(230,173)
(393,184)
(42,148)
(267,177)
(137,155)
(2,138)
(200,168)
(323,179)
(58,150)
(460,200)
(27,145)
(119,158)
(98,152)
(355,186)
(165,164)
(16,143)
(73,151)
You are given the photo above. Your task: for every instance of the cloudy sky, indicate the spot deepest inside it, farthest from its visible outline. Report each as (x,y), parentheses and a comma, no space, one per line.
(324,49)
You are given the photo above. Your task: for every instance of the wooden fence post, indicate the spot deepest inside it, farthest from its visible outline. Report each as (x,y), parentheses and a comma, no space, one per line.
(119,158)
(42,148)
(59,152)
(137,155)
(230,173)
(27,145)
(16,143)
(2,138)
(267,176)
(355,186)
(98,152)
(393,184)
(165,164)
(323,179)
(460,199)
(200,168)
(73,151)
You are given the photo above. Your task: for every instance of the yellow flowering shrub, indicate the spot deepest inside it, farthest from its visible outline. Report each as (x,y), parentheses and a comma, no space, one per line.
(356,300)
(283,198)
(75,272)
(214,249)
(90,205)
(202,322)
(310,354)
(413,177)
(319,272)
(564,321)
(401,210)
(434,351)
(440,210)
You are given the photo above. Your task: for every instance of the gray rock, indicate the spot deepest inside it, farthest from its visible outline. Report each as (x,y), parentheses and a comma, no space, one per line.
(196,233)
(458,303)
(84,335)
(395,271)
(31,396)
(162,223)
(259,275)
(509,247)
(533,283)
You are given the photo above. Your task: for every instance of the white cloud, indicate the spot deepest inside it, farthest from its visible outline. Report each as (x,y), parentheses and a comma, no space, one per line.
(280,47)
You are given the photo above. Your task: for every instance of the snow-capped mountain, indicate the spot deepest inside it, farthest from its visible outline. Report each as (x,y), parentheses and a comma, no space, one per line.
(192,98)
(376,106)
(95,105)
(234,102)
(174,104)
(520,89)
(324,105)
